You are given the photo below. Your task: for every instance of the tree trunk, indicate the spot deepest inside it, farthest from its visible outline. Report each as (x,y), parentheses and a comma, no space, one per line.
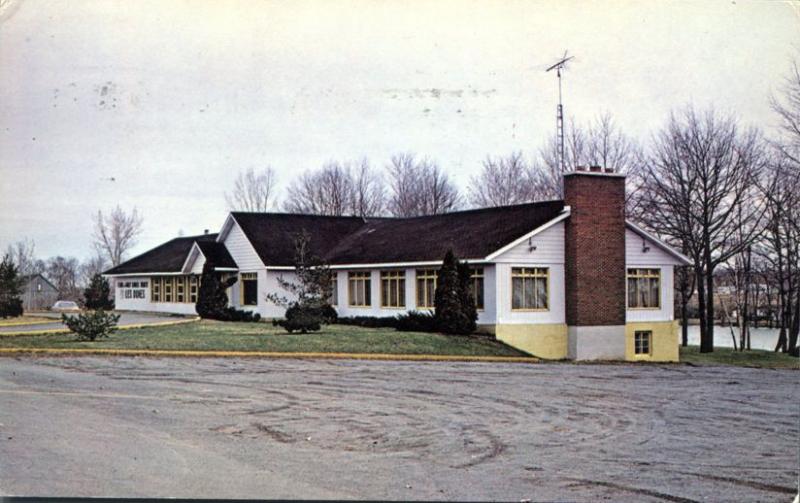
(701,306)
(684,322)
(795,330)
(707,345)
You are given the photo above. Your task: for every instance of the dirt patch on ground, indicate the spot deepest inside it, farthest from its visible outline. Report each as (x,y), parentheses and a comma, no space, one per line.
(398,430)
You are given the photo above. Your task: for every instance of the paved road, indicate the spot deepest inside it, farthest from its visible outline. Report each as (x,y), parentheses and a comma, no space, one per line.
(251,428)
(125,319)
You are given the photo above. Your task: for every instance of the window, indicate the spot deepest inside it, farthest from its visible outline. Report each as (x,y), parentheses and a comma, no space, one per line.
(334,289)
(168,289)
(393,289)
(155,291)
(249,289)
(180,290)
(644,288)
(194,284)
(426,287)
(529,288)
(476,286)
(359,289)
(642,342)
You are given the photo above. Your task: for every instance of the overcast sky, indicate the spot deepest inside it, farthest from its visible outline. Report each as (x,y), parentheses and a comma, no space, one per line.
(172,98)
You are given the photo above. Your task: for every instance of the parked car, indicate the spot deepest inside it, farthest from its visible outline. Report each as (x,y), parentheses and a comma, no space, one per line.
(65,306)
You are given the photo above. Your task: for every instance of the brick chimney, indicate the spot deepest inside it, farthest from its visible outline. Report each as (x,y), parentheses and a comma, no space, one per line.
(595,263)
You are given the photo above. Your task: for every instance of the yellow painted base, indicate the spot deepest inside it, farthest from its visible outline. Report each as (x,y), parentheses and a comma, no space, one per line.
(664,342)
(541,340)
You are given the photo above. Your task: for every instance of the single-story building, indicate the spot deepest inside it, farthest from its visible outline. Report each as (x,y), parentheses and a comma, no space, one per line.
(570,278)
(38,294)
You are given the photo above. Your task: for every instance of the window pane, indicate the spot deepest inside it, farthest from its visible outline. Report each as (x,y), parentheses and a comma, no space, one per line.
(541,293)
(632,292)
(654,287)
(642,290)
(516,294)
(250,292)
(477,292)
(401,291)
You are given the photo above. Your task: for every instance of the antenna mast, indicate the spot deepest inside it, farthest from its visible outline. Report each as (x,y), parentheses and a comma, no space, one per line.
(560,65)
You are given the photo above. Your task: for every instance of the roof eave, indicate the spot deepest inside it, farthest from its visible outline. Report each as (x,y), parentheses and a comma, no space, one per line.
(658,242)
(565,212)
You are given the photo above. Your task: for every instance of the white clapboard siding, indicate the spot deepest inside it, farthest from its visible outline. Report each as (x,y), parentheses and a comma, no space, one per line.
(241,250)
(635,253)
(549,246)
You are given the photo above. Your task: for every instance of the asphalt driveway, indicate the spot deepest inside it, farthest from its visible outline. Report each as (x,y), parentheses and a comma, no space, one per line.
(125,319)
(250,428)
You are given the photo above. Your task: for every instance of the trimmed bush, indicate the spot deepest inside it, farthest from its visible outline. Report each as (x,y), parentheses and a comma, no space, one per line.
(413,321)
(92,325)
(233,314)
(300,319)
(416,321)
(212,300)
(368,321)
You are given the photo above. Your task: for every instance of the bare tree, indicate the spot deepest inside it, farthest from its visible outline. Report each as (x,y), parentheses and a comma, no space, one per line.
(420,187)
(337,189)
(23,254)
(253,191)
(369,193)
(115,234)
(699,184)
(504,181)
(787,107)
(780,247)
(598,143)
(92,266)
(63,273)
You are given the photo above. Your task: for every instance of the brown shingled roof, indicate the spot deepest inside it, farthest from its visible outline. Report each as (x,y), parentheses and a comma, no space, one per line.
(472,234)
(170,256)
(353,240)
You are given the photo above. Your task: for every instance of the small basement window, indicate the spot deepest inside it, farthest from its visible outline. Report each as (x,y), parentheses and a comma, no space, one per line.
(642,342)
(249,289)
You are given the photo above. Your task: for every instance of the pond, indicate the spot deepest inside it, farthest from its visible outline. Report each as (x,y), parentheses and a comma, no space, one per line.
(760,338)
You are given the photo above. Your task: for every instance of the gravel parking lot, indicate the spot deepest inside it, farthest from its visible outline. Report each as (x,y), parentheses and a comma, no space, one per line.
(249,428)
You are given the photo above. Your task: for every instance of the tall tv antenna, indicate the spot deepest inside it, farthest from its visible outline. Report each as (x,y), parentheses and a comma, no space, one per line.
(560,65)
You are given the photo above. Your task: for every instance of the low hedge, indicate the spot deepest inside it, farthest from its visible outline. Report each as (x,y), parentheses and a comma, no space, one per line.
(413,321)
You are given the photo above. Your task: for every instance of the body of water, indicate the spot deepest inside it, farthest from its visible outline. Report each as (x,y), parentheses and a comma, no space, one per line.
(760,338)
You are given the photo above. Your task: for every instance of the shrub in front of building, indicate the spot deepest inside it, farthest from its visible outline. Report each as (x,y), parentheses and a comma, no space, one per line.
(98,294)
(312,291)
(455,308)
(212,299)
(92,325)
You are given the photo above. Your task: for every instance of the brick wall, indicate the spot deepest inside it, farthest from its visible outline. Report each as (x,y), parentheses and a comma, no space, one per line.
(595,249)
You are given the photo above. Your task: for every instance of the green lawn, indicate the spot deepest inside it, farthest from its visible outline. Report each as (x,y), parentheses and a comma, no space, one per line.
(230,336)
(727,356)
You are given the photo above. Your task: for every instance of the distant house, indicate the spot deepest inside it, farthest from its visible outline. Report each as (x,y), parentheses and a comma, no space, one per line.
(38,293)
(558,279)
